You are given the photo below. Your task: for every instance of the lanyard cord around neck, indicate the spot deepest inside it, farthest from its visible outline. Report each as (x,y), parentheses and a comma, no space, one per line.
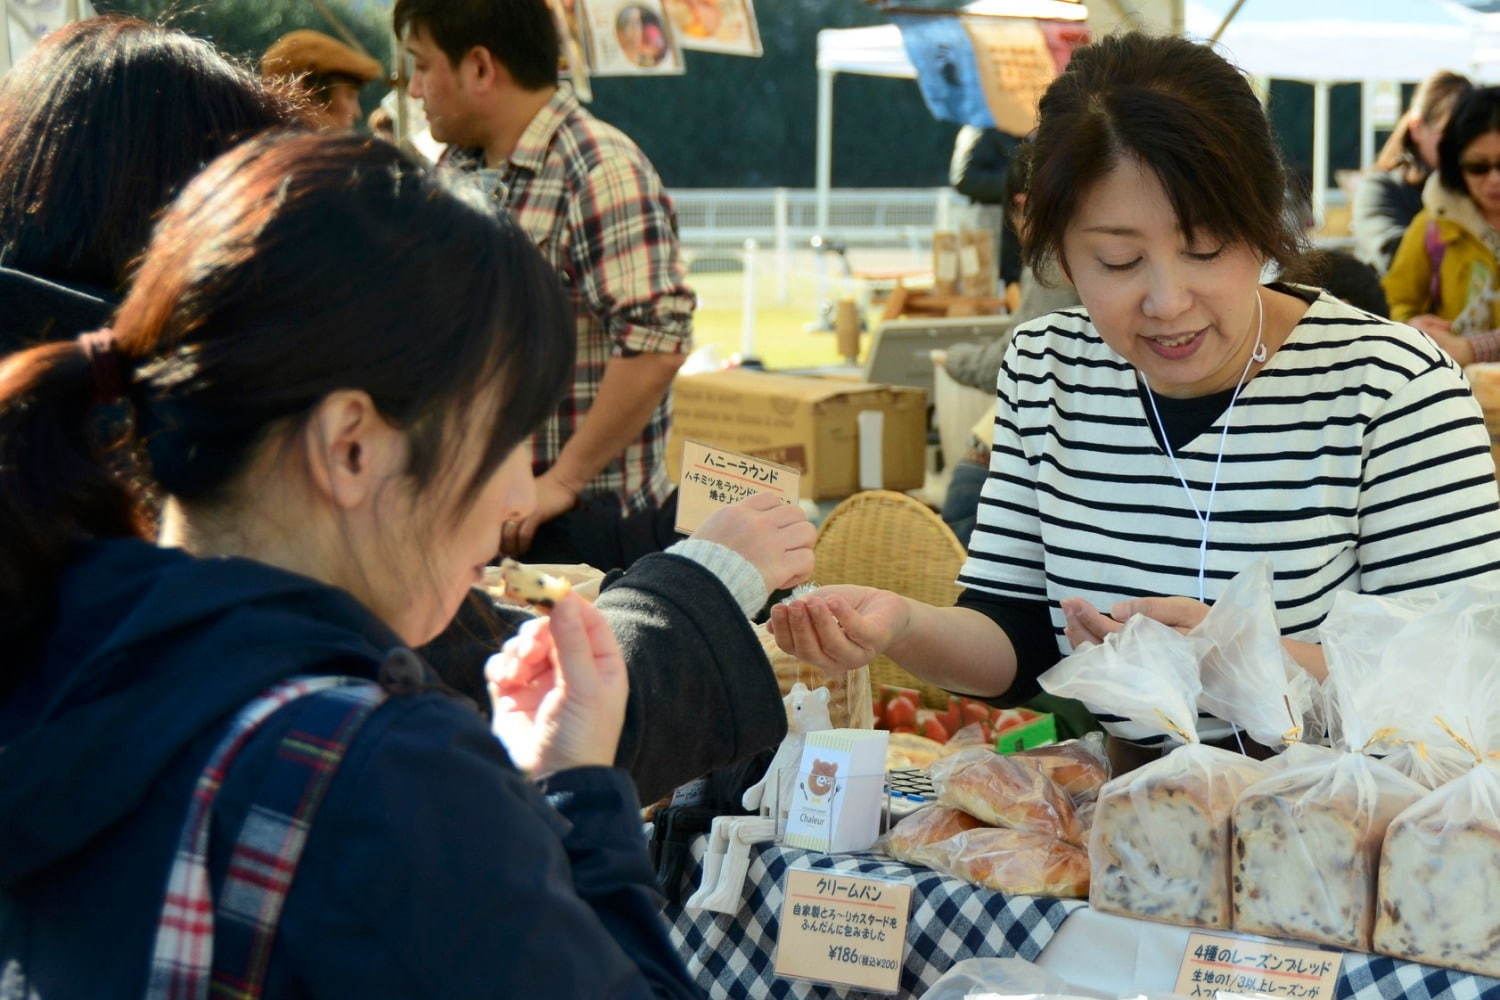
(1257,353)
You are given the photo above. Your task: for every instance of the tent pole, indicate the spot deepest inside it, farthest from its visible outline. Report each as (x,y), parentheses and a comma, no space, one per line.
(1366,123)
(398,81)
(73,11)
(1228,18)
(1320,153)
(824,177)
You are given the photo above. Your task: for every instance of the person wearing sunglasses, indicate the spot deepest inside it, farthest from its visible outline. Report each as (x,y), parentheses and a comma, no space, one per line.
(1445,278)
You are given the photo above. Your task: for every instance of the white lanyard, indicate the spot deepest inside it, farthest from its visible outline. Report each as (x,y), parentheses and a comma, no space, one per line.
(1257,353)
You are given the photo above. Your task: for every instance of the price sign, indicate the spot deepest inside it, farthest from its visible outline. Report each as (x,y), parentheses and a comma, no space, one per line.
(714,478)
(1214,964)
(845,930)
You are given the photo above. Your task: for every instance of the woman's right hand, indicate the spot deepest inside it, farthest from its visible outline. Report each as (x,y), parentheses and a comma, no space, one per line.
(558,690)
(842,627)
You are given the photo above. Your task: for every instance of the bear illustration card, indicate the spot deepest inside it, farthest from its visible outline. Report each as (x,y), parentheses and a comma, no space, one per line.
(840,788)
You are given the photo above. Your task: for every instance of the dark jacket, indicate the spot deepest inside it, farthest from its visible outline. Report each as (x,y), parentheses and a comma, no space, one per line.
(34,309)
(1384,205)
(702,694)
(432,870)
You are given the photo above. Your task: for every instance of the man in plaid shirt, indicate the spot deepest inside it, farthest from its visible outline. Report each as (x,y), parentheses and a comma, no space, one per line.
(486,73)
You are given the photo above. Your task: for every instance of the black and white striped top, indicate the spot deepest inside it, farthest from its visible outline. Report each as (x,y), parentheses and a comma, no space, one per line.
(1356,459)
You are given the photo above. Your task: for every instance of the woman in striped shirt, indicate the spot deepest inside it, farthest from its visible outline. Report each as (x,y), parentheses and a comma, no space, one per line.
(1187,420)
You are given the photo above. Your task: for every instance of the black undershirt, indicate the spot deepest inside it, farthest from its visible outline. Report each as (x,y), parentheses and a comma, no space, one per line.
(1028,624)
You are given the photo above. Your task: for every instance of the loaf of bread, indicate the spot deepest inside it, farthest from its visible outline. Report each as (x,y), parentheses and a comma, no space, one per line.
(1079,767)
(907,750)
(1010,792)
(1439,886)
(1306,846)
(1159,846)
(1014,862)
(911,838)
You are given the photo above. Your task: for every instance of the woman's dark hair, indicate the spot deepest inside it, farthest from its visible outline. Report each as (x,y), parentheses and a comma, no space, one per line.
(1476,115)
(521,34)
(1186,115)
(295,266)
(100,125)
(1344,276)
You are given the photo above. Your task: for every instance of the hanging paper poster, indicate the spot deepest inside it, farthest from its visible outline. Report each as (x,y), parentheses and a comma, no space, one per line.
(1015,68)
(716,25)
(631,38)
(573,63)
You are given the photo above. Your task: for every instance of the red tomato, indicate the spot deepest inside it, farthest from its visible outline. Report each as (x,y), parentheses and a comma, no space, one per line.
(934,729)
(900,711)
(903,729)
(973,711)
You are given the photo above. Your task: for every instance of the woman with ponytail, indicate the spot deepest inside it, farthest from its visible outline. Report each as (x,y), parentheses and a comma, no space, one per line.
(221,767)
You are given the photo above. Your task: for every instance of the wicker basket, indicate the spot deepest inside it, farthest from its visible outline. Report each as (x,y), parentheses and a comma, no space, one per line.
(888,540)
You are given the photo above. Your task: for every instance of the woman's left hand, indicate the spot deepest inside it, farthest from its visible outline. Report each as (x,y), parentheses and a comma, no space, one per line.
(1085,624)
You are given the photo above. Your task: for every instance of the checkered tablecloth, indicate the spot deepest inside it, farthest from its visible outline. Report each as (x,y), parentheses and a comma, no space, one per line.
(951,920)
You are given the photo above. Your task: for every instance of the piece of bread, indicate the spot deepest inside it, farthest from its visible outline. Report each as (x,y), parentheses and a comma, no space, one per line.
(531,586)
(1439,887)
(1159,846)
(1014,862)
(1079,767)
(907,750)
(1306,846)
(1010,792)
(910,839)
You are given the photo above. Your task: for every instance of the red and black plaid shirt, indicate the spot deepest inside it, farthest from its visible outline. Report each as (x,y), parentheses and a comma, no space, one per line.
(594,206)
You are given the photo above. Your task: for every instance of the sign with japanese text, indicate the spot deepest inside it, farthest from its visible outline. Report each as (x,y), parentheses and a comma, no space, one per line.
(1213,965)
(714,478)
(845,930)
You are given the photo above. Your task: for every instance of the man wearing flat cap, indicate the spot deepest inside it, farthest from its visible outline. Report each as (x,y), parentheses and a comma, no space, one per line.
(331,72)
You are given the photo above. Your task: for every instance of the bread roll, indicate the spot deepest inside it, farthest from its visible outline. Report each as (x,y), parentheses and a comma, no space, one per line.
(1014,862)
(1079,767)
(1160,840)
(1439,886)
(1010,792)
(1306,846)
(910,839)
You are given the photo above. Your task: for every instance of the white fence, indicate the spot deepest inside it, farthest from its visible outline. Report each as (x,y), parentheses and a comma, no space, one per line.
(893,226)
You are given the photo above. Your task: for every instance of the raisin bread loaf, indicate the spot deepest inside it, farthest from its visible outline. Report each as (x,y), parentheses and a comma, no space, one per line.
(1160,841)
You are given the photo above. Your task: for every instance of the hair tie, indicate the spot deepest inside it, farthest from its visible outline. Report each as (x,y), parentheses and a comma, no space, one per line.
(103,353)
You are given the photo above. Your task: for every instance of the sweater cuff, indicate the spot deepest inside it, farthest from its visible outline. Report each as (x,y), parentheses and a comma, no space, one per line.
(1486,346)
(738,574)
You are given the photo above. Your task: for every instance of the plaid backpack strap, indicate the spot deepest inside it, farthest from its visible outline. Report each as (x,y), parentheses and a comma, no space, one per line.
(227,947)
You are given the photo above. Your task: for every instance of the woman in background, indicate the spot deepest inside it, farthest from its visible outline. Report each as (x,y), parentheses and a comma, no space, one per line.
(1390,195)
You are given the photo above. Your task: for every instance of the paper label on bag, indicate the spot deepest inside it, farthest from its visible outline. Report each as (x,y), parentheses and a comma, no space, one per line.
(947,266)
(969,260)
(1213,965)
(845,930)
(714,478)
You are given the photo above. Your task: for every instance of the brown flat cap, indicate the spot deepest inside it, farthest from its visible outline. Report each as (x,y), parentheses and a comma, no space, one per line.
(306,51)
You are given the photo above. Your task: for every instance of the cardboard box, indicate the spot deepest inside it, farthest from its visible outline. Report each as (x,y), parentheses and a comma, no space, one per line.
(804,421)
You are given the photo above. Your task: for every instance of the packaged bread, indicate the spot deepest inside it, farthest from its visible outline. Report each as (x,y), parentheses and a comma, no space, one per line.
(1013,862)
(1006,791)
(910,839)
(1079,767)
(1306,846)
(1159,845)
(1439,886)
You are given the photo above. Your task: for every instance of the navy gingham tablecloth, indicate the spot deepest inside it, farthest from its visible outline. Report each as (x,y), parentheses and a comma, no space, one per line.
(951,920)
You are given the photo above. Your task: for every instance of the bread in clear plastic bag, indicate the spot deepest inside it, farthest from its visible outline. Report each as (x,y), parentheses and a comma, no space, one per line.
(1160,840)
(1006,791)
(909,840)
(1079,767)
(1013,862)
(1306,846)
(1438,895)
